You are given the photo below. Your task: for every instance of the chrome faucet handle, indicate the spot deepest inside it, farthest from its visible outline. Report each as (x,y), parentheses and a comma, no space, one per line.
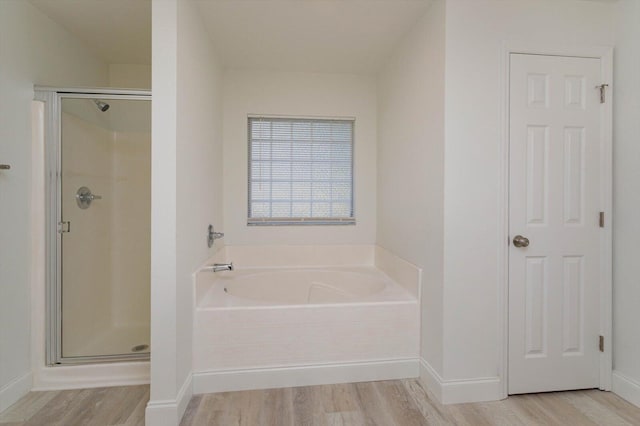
(212,236)
(84,197)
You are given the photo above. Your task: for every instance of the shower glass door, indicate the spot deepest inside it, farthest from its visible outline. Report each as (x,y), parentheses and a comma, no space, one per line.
(104,208)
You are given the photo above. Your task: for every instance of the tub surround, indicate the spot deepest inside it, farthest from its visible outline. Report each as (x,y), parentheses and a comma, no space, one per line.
(244,343)
(300,256)
(399,270)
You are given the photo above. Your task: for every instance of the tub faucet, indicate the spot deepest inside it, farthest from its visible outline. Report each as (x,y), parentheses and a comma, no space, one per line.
(217,267)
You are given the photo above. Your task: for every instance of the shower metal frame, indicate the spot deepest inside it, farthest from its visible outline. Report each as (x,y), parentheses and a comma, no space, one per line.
(52,98)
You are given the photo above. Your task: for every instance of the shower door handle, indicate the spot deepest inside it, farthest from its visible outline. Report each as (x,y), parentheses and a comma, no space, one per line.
(5,167)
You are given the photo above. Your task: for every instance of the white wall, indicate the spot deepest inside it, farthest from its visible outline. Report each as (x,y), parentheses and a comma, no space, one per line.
(475,31)
(411,164)
(132,76)
(626,228)
(298,94)
(186,194)
(199,164)
(34,50)
(164,326)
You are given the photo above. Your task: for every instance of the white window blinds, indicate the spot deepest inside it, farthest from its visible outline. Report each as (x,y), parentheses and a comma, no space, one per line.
(300,171)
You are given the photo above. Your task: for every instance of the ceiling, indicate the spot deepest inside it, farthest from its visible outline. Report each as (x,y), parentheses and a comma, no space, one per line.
(353,36)
(119,31)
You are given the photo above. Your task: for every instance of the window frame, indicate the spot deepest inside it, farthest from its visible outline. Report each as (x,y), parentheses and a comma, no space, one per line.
(299,221)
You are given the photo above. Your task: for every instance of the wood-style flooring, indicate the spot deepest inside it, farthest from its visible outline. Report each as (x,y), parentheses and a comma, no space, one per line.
(388,403)
(100,407)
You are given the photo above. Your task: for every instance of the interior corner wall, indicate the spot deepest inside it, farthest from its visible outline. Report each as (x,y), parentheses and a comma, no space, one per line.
(307,95)
(475,33)
(411,164)
(130,76)
(626,228)
(199,165)
(162,406)
(33,50)
(186,193)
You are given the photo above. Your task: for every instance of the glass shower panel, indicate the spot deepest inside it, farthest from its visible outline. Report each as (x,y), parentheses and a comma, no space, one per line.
(106,225)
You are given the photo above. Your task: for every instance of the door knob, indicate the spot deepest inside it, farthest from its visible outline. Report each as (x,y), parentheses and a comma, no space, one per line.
(520,241)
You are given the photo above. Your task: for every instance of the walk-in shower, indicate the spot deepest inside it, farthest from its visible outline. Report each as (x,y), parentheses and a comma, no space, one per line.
(98,161)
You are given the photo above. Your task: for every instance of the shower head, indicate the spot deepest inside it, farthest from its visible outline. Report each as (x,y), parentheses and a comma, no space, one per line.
(102,106)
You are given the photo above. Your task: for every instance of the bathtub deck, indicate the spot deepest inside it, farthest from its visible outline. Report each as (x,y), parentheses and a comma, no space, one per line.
(378,403)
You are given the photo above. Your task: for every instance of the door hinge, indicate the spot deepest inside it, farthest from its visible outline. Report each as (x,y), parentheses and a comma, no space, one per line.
(603,94)
(64,227)
(601,220)
(601,343)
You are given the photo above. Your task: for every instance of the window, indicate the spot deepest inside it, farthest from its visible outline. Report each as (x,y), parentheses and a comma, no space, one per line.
(300,171)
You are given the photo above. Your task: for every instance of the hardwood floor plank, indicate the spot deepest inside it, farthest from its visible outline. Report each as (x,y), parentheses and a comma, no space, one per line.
(86,411)
(192,410)
(373,408)
(26,407)
(116,407)
(561,411)
(249,405)
(433,412)
(399,403)
(613,402)
(211,410)
(136,418)
(593,410)
(277,409)
(345,418)
(388,403)
(497,413)
(56,408)
(339,398)
(466,415)
(307,407)
(528,412)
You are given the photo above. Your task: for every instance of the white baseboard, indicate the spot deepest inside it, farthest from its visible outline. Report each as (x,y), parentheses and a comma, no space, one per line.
(626,387)
(170,412)
(460,391)
(430,379)
(91,376)
(305,375)
(14,390)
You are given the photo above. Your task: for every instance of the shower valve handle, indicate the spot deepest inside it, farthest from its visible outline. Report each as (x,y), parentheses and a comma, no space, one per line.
(84,197)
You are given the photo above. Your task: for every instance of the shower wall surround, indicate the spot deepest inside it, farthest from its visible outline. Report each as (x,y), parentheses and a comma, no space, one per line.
(106,256)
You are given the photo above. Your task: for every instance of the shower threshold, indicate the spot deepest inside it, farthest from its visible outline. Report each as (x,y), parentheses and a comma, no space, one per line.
(115,344)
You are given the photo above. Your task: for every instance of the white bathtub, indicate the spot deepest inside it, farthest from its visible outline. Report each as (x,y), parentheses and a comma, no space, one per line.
(267,328)
(301,286)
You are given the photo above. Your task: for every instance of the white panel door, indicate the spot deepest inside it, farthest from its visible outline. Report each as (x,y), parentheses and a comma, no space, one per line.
(554,202)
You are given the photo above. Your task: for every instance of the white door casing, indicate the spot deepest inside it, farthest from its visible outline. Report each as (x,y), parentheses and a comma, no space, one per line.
(554,201)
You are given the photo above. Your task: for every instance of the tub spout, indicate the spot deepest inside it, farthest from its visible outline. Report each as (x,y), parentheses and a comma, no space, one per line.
(217,267)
